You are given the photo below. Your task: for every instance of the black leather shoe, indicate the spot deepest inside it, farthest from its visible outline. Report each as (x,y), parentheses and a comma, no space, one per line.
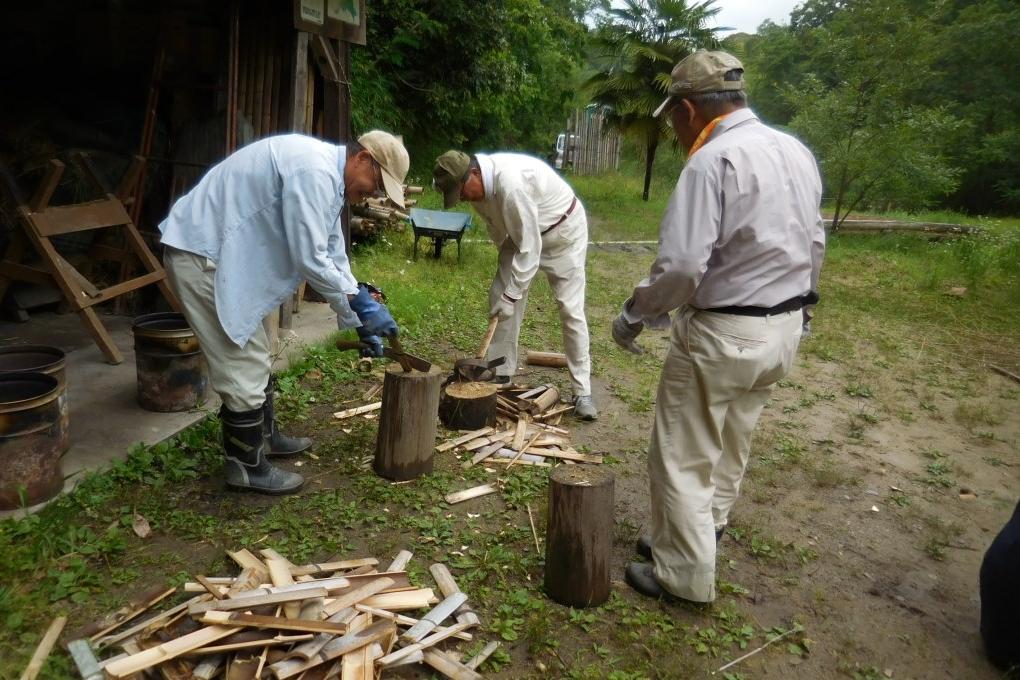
(246,467)
(279,443)
(641,577)
(644,543)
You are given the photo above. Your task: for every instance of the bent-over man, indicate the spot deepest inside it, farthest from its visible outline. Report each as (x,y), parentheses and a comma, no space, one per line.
(239,243)
(740,248)
(537,223)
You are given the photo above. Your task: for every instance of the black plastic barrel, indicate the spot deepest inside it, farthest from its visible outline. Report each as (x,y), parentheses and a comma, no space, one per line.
(171,369)
(49,361)
(30,445)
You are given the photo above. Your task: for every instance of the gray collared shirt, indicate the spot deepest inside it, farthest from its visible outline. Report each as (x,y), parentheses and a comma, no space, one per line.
(742,226)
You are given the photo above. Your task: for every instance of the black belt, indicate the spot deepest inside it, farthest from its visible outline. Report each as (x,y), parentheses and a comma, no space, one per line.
(573,204)
(791,305)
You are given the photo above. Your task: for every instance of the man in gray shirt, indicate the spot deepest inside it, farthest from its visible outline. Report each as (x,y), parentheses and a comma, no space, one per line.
(740,248)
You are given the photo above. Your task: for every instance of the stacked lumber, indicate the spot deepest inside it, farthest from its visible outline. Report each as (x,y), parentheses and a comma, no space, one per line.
(375,215)
(344,619)
(527,432)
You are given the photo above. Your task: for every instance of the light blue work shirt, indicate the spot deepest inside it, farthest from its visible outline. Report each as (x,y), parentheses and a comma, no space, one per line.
(268,215)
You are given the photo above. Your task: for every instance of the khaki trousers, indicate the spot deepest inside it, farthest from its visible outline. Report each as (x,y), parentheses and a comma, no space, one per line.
(564,249)
(238,374)
(718,373)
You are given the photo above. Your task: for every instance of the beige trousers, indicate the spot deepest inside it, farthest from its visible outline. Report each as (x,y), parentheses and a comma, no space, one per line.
(238,374)
(564,249)
(718,373)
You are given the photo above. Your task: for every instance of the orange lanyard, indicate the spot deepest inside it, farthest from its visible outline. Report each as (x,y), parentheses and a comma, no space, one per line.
(704,135)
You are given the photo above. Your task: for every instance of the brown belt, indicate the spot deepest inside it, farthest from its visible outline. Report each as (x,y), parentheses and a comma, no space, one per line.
(573,204)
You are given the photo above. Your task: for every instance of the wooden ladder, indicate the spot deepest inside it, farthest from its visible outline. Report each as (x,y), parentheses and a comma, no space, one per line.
(40,222)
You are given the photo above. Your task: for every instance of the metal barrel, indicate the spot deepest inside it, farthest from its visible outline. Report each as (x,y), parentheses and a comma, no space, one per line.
(49,361)
(30,445)
(172,374)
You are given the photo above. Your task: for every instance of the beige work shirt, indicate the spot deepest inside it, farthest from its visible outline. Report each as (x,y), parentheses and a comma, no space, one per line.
(742,226)
(523,198)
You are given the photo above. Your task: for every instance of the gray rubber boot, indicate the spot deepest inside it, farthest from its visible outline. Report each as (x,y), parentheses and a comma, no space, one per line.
(246,467)
(279,443)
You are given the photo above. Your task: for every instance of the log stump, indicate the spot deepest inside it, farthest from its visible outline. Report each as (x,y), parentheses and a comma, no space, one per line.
(579,536)
(468,405)
(407,423)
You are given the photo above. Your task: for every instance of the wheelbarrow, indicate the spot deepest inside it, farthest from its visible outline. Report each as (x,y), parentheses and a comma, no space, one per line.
(440,226)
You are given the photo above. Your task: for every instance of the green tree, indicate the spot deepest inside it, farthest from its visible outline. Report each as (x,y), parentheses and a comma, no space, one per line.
(636,46)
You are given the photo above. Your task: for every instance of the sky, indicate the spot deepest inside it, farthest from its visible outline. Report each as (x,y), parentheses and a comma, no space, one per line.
(746,15)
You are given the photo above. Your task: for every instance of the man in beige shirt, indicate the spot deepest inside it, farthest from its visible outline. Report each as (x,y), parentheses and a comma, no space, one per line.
(740,248)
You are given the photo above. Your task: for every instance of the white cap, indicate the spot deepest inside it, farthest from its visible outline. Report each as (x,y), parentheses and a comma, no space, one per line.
(389,152)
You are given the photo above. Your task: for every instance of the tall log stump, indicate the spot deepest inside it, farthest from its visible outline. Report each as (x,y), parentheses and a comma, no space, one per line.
(407,423)
(468,405)
(579,537)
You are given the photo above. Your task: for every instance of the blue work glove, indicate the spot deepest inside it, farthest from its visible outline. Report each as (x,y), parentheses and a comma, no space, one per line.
(625,334)
(374,316)
(375,346)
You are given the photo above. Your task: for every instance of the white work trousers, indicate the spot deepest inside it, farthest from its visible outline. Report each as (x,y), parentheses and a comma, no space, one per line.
(717,376)
(238,374)
(563,254)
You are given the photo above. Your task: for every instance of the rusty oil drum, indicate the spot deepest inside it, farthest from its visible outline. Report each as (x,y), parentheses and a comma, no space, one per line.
(49,361)
(30,445)
(171,368)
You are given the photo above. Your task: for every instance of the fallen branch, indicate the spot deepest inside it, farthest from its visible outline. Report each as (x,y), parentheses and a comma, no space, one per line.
(795,629)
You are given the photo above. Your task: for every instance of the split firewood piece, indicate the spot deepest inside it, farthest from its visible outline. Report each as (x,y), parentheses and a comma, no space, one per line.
(294,595)
(357,410)
(429,622)
(321,568)
(565,455)
(404,600)
(520,461)
(463,439)
(372,392)
(521,450)
(355,596)
(311,609)
(361,571)
(491,439)
(150,622)
(207,669)
(400,561)
(333,584)
(246,560)
(533,392)
(400,581)
(402,620)
(520,433)
(468,494)
(85,660)
(544,401)
(481,656)
(359,664)
(336,648)
(448,586)
(279,574)
(241,620)
(484,453)
(449,666)
(35,664)
(553,413)
(132,613)
(417,656)
(166,651)
(249,579)
(309,649)
(216,591)
(252,640)
(431,640)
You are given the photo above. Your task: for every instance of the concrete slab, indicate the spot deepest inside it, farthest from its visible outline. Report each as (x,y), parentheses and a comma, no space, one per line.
(106,421)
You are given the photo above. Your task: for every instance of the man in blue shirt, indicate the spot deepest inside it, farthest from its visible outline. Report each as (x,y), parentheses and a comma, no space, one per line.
(240,242)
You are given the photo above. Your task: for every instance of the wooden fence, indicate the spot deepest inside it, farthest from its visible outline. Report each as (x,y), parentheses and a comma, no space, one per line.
(591,147)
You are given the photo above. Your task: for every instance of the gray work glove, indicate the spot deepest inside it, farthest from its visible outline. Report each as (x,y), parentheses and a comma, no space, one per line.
(503,309)
(625,334)
(806,316)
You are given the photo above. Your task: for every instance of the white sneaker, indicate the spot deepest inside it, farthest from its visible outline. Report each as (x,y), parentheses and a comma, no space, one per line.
(584,408)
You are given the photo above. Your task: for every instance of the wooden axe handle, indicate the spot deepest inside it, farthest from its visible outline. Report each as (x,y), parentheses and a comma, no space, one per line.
(488,338)
(350,344)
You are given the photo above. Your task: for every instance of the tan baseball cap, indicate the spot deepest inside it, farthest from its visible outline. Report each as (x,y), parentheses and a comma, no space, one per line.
(389,152)
(448,175)
(702,72)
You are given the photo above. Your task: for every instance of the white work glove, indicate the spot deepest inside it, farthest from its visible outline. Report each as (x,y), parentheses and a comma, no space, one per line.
(806,316)
(625,334)
(504,308)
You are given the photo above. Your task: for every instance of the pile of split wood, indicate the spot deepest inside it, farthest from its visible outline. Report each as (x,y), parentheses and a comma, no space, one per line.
(275,619)
(374,215)
(527,432)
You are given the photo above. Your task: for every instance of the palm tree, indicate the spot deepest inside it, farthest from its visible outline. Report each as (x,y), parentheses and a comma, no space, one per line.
(636,47)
